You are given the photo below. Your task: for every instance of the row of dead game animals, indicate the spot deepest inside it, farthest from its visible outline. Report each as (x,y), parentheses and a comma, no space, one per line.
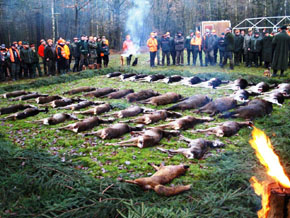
(151,136)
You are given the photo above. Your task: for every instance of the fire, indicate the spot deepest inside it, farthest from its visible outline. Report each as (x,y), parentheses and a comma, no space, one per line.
(264,151)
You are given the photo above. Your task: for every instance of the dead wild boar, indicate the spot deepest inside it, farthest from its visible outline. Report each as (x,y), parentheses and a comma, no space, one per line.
(29,112)
(114,74)
(184,123)
(164,175)
(218,106)
(154,117)
(173,79)
(237,84)
(56,119)
(241,95)
(255,108)
(115,131)
(96,110)
(196,148)
(142,95)
(147,138)
(100,92)
(192,81)
(152,78)
(168,98)
(80,90)
(48,99)
(192,102)
(86,124)
(15,94)
(259,88)
(226,129)
(137,77)
(14,108)
(275,98)
(127,75)
(119,94)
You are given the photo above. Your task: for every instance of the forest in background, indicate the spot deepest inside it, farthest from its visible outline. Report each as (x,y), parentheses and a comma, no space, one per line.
(32,20)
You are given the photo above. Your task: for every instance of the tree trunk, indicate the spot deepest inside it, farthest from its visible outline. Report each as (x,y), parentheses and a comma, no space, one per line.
(53,20)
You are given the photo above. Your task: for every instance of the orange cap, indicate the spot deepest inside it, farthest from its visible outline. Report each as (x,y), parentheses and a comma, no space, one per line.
(213,31)
(49,40)
(60,41)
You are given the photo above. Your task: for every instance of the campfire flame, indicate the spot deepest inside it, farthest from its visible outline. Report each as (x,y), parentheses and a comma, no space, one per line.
(264,151)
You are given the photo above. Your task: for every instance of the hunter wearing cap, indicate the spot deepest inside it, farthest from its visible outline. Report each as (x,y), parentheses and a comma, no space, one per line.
(152,45)
(246,46)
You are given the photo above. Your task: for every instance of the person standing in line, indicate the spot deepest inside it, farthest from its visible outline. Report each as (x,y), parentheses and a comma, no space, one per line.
(229,48)
(188,46)
(158,47)
(61,56)
(104,53)
(215,46)
(222,48)
(239,41)
(255,47)
(281,46)
(267,49)
(248,56)
(165,46)
(50,57)
(179,48)
(13,56)
(76,53)
(172,48)
(35,62)
(196,44)
(84,50)
(41,54)
(152,45)
(27,60)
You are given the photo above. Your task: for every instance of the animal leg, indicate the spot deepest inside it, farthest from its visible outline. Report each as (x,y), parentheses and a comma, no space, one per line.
(130,142)
(170,191)
(208,131)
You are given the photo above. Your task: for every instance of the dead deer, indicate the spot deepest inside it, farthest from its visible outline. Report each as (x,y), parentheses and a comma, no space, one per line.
(86,124)
(79,90)
(254,108)
(115,131)
(28,96)
(114,74)
(14,108)
(218,106)
(129,112)
(29,112)
(196,148)
(147,138)
(192,102)
(184,123)
(119,94)
(77,106)
(100,92)
(164,99)
(226,129)
(15,94)
(62,102)
(164,175)
(56,119)
(48,99)
(96,110)
(154,117)
(142,95)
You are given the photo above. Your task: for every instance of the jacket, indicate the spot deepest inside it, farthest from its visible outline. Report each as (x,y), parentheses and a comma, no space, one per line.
(196,43)
(281,46)
(49,53)
(152,44)
(26,56)
(14,55)
(246,44)
(84,47)
(165,44)
(75,50)
(179,43)
(41,50)
(187,42)
(229,42)
(221,44)
(256,44)
(267,48)
(35,57)
(239,41)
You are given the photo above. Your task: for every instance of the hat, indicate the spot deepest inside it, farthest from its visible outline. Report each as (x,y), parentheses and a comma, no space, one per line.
(20,43)
(213,31)
(76,38)
(152,33)
(25,43)
(31,45)
(283,27)
(207,30)
(3,46)
(49,40)
(197,32)
(257,33)
(42,40)
(250,29)
(60,41)
(168,33)
(222,33)
(179,32)
(67,40)
(13,45)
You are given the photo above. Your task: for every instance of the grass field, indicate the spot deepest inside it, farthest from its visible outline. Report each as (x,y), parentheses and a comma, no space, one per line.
(46,172)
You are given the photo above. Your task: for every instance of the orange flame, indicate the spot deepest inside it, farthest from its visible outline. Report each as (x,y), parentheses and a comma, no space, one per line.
(264,151)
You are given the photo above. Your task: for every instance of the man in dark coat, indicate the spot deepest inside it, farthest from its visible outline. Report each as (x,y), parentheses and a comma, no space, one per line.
(158,47)
(35,62)
(215,46)
(239,40)
(246,46)
(267,49)
(84,49)
(172,48)
(229,48)
(26,56)
(222,48)
(76,53)
(208,44)
(13,56)
(255,47)
(188,47)
(165,46)
(281,46)
(179,48)
(50,57)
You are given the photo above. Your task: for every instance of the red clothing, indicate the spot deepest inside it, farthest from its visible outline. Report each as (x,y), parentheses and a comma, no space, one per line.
(128,45)
(41,50)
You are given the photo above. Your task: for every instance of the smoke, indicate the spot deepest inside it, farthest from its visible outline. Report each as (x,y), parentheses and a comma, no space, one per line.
(135,21)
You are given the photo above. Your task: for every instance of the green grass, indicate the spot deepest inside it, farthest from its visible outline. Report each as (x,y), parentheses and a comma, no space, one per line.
(220,182)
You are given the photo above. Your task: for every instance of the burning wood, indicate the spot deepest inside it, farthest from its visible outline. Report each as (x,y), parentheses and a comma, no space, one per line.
(271,203)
